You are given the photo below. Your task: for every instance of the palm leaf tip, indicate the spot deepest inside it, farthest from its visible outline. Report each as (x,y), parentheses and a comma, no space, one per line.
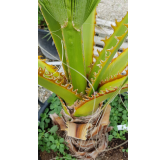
(113,84)
(110,42)
(89,105)
(58,86)
(103,64)
(117,65)
(113,78)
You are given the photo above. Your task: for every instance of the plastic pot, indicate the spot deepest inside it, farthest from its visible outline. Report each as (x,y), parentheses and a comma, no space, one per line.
(43,106)
(47,45)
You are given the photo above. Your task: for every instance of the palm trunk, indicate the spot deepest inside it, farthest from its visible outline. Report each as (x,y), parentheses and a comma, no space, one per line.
(86,136)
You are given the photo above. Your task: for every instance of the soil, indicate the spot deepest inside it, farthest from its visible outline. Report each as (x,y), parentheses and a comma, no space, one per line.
(115,154)
(40,27)
(47,156)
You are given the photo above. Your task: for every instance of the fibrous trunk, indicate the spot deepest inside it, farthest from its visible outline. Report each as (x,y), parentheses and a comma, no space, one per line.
(86,136)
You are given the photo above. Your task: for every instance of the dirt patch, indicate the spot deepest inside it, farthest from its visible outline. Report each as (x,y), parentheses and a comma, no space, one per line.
(47,156)
(115,154)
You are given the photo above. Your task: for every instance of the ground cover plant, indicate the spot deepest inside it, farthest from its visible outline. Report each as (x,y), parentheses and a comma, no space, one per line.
(85,83)
(48,139)
(118,116)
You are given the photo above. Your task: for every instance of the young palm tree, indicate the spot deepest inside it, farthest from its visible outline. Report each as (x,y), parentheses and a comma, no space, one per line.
(85,84)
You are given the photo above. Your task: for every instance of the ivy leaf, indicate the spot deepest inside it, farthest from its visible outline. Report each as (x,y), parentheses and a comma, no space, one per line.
(113,123)
(57,102)
(55,136)
(44,116)
(50,99)
(124,112)
(39,130)
(115,118)
(110,137)
(45,139)
(115,128)
(112,110)
(46,125)
(53,95)
(47,120)
(46,134)
(68,156)
(126,97)
(52,106)
(61,150)
(116,112)
(41,115)
(40,142)
(57,144)
(42,125)
(48,143)
(53,146)
(62,145)
(123,138)
(61,140)
(42,149)
(54,129)
(120,109)
(40,135)
(124,117)
(46,110)
(126,103)
(51,138)
(52,112)
(119,114)
(114,133)
(123,150)
(116,99)
(53,100)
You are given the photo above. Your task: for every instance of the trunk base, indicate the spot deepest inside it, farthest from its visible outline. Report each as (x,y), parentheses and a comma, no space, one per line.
(86,136)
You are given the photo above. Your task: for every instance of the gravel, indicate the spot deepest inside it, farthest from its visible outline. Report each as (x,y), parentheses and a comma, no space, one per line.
(43,94)
(112,9)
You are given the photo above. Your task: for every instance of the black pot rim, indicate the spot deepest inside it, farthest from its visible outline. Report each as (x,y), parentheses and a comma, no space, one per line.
(42,30)
(43,106)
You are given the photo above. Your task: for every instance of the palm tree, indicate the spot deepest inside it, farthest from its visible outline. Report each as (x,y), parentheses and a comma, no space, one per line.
(85,84)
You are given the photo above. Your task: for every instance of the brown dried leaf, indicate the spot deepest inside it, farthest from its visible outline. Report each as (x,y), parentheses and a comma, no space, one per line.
(78,131)
(58,121)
